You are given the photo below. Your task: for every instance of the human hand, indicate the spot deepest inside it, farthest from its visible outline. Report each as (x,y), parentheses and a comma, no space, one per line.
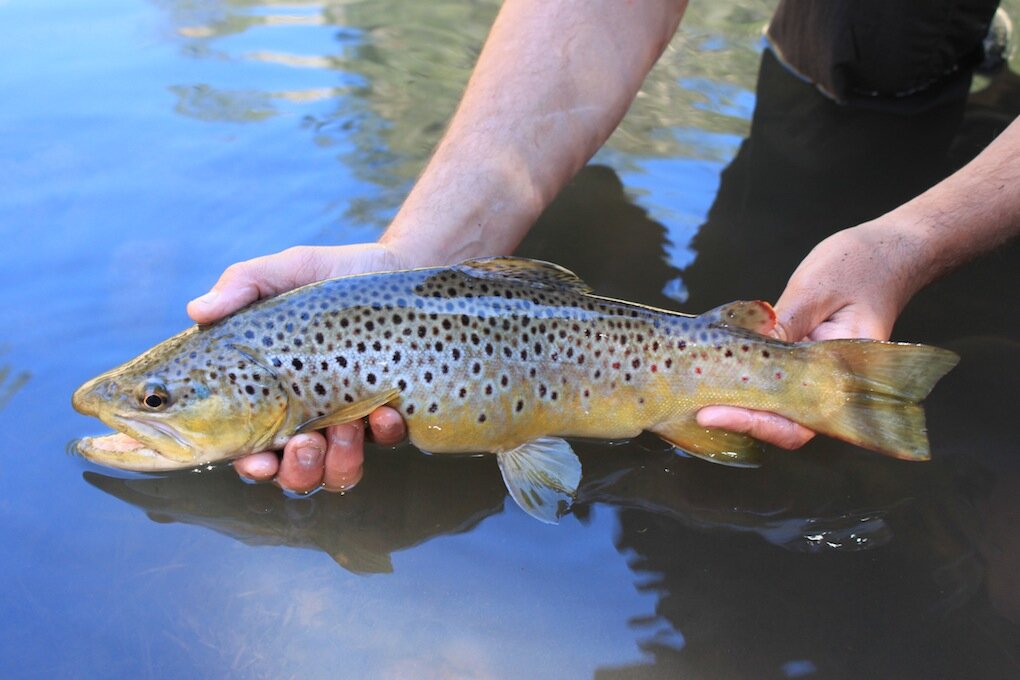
(851,285)
(332,460)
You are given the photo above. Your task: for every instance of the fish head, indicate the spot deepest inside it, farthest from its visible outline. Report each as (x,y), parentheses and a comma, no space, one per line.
(192,400)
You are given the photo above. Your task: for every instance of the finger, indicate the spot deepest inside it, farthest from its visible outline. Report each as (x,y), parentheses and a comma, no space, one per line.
(387,426)
(259,467)
(345,456)
(768,427)
(302,466)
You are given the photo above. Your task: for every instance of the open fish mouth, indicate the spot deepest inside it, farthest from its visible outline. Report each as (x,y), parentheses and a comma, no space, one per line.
(129,450)
(120,451)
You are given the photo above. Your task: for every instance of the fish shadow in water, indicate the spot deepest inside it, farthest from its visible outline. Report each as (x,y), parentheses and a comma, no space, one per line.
(407,498)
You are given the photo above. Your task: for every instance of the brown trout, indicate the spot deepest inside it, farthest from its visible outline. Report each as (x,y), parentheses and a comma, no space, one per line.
(502,355)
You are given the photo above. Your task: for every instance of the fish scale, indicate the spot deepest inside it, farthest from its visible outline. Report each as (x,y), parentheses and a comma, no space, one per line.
(500,355)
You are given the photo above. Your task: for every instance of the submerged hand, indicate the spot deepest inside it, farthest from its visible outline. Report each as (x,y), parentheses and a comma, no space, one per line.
(334,459)
(852,285)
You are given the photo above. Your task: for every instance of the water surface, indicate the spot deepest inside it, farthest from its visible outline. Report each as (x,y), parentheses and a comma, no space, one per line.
(148,145)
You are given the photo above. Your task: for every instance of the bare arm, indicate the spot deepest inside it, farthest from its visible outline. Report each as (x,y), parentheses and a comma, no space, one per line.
(552,83)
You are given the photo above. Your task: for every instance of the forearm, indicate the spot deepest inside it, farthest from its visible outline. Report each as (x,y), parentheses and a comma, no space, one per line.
(552,82)
(969,213)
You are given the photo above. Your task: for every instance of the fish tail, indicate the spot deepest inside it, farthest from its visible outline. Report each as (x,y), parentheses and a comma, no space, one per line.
(878,403)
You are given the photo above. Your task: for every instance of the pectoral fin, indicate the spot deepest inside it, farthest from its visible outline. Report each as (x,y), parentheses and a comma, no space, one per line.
(713,445)
(542,476)
(349,412)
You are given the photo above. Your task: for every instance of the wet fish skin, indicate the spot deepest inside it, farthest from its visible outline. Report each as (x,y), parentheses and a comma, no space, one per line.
(500,355)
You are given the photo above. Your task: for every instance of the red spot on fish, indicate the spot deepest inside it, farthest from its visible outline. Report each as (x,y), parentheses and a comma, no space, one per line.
(744,379)
(744,348)
(779,376)
(655,369)
(697,370)
(616,364)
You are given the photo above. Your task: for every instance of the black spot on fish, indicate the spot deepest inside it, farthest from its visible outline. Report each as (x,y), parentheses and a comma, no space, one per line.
(296,363)
(370,378)
(361,347)
(409,410)
(377,346)
(296,388)
(433,407)
(428,376)
(249,334)
(520,406)
(481,418)
(320,389)
(402,384)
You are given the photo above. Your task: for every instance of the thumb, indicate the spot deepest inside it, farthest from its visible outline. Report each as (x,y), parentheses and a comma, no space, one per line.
(239,285)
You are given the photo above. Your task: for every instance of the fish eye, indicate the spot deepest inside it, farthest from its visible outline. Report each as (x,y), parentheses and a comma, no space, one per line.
(155,397)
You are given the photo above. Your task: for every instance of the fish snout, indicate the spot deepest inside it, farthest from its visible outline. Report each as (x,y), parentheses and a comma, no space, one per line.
(87,398)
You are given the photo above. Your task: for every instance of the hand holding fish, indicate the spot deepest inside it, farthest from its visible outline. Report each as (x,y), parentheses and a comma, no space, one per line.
(847,287)
(333,458)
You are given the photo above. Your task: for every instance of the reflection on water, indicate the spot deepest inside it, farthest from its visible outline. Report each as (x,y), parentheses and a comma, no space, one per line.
(10,382)
(827,562)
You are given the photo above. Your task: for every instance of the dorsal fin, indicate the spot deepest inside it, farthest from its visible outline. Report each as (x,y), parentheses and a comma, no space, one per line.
(756,316)
(533,272)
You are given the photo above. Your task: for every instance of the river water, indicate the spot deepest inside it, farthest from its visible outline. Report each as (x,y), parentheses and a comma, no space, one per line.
(148,145)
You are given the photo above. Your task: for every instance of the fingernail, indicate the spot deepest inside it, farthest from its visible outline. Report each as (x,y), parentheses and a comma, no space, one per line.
(309,456)
(344,483)
(207,300)
(258,469)
(343,435)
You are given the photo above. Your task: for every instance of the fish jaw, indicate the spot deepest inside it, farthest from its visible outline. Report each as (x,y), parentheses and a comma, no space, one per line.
(123,452)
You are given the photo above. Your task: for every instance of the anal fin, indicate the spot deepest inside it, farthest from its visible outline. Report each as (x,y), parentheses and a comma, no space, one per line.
(712,444)
(542,477)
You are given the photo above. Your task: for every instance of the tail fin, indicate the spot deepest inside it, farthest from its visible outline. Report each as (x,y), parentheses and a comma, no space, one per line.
(878,407)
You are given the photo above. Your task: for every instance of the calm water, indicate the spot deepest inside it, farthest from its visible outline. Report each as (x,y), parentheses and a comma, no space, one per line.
(147,145)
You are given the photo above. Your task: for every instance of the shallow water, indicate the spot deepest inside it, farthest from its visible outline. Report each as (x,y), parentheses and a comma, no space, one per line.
(148,145)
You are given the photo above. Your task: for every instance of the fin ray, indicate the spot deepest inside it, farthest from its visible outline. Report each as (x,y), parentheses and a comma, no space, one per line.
(542,476)
(536,273)
(712,444)
(349,412)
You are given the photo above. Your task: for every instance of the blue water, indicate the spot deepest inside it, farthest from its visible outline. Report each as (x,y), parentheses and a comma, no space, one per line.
(146,146)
